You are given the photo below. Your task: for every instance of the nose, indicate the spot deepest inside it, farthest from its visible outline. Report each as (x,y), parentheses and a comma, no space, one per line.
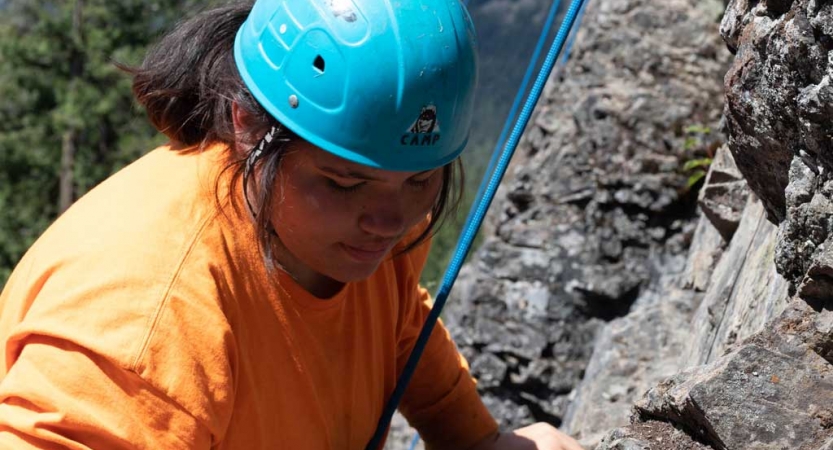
(384,218)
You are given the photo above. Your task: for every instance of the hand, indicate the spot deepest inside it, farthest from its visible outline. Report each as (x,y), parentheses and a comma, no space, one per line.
(538,436)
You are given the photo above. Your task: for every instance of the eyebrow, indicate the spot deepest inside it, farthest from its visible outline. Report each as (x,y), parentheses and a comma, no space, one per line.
(359,175)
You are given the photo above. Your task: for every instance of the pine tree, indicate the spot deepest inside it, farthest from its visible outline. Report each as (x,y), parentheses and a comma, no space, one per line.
(67,116)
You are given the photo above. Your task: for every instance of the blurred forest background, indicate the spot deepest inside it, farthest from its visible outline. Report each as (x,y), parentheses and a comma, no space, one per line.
(68,119)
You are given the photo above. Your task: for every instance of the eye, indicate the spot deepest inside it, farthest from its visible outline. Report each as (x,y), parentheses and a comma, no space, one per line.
(336,186)
(420,183)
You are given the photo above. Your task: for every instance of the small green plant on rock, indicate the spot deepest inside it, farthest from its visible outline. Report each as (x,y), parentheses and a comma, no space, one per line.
(697,169)
(698,141)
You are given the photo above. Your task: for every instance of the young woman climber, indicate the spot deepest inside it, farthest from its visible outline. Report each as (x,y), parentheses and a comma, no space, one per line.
(254,283)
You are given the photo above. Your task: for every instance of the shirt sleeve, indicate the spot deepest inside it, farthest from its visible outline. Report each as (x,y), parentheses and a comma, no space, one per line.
(441,401)
(135,361)
(58,394)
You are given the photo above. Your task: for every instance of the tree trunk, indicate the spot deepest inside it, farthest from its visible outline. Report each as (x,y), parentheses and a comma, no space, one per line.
(67,185)
(69,141)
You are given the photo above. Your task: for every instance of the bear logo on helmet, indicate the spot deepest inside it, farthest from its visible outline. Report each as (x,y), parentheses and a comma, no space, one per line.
(427,120)
(425,130)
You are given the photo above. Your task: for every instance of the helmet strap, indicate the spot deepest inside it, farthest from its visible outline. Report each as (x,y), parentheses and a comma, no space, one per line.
(254,156)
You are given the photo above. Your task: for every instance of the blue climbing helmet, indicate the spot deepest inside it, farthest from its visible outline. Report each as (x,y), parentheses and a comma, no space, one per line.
(384,83)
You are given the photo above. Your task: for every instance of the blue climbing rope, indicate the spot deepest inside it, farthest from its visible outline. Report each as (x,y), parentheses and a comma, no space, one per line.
(568,49)
(507,124)
(414,442)
(469,232)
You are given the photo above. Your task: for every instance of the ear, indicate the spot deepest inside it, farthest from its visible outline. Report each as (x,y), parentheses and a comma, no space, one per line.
(240,119)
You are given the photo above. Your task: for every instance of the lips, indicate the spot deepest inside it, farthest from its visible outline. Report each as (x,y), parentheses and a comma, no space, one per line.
(369,253)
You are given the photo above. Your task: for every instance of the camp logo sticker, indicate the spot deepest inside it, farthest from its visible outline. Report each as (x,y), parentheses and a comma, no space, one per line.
(425,130)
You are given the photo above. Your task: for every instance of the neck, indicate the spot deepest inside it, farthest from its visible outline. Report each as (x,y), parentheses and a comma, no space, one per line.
(317,284)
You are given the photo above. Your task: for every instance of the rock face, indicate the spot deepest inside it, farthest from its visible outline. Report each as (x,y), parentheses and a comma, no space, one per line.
(596,206)
(779,100)
(686,328)
(640,435)
(779,105)
(706,331)
(744,291)
(773,392)
(724,194)
(756,369)
(631,355)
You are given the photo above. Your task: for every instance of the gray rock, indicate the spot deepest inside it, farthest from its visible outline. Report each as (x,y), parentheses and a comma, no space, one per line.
(621,440)
(753,398)
(401,435)
(817,285)
(724,194)
(723,204)
(517,263)
(809,221)
(512,414)
(631,355)
(778,92)
(707,247)
(744,293)
(489,370)
(802,328)
(650,435)
(767,379)
(774,391)
(592,228)
(595,206)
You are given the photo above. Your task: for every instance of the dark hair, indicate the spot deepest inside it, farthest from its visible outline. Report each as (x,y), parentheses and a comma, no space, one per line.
(188,80)
(187,84)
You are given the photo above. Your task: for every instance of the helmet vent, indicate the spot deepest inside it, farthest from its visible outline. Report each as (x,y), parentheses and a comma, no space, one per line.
(318,63)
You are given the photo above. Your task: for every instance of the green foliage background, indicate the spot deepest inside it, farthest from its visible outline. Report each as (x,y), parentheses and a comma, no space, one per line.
(59,84)
(55,78)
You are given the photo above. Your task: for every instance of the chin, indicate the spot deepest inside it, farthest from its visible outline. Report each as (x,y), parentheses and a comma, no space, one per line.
(352,274)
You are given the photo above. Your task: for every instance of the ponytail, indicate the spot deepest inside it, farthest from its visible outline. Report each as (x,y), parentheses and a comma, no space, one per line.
(188,80)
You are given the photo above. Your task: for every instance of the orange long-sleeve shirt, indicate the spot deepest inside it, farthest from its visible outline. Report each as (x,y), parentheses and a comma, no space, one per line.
(145,318)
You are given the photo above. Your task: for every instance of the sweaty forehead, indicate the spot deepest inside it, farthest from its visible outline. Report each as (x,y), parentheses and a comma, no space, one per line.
(324,159)
(328,162)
